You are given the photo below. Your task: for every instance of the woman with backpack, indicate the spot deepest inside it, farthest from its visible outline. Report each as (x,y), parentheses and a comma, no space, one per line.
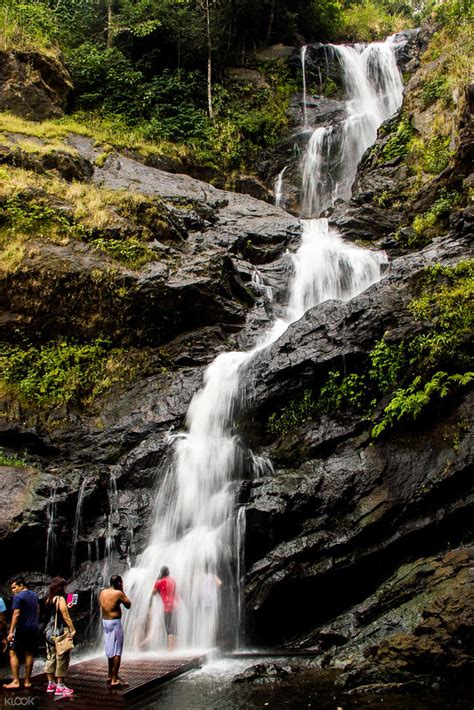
(56,619)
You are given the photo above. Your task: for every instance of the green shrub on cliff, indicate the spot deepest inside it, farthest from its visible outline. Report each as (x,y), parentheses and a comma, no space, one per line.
(441,208)
(410,402)
(55,373)
(434,89)
(27,25)
(415,373)
(11,460)
(339,393)
(437,360)
(297,412)
(436,155)
(397,144)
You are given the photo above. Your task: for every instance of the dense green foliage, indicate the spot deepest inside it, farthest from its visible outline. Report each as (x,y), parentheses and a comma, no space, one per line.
(295,413)
(415,373)
(55,373)
(11,460)
(397,144)
(440,208)
(144,64)
(436,362)
(434,89)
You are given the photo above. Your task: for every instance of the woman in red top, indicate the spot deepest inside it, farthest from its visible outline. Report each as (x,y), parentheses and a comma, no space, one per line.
(166,586)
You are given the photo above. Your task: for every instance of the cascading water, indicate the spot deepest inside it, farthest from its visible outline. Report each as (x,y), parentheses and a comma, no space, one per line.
(109,533)
(326,267)
(374,89)
(303,70)
(259,285)
(77,524)
(51,541)
(279,199)
(195,527)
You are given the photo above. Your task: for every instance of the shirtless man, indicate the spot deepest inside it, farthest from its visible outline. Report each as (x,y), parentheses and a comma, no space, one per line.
(110,601)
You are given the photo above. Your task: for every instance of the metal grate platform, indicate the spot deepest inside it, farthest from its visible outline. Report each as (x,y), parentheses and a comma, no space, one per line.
(88,679)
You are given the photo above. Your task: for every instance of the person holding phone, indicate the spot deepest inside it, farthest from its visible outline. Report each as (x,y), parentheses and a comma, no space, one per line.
(56,617)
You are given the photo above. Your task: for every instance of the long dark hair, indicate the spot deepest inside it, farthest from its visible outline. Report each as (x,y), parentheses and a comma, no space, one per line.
(57,588)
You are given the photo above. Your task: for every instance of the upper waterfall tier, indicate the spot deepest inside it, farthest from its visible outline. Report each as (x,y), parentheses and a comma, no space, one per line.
(373,88)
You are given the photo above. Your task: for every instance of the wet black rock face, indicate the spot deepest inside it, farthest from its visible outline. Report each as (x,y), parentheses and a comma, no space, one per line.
(33,85)
(360,550)
(265,673)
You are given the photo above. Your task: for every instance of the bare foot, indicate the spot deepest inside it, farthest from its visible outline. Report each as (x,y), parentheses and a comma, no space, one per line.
(28,685)
(11,686)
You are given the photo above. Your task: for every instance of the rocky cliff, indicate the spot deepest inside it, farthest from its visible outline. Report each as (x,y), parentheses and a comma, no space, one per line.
(360,544)
(33,85)
(121,283)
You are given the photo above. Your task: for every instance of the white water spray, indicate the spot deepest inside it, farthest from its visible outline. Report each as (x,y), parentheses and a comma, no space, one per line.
(279,198)
(374,89)
(326,267)
(260,286)
(51,541)
(77,524)
(195,527)
(303,69)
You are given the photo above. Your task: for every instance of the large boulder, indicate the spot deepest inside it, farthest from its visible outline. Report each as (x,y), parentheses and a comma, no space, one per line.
(205,244)
(33,85)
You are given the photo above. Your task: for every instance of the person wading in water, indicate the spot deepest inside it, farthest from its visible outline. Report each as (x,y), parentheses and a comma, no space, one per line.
(110,601)
(166,586)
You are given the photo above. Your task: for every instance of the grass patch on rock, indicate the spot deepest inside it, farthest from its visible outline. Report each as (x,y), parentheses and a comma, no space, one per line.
(108,130)
(116,223)
(59,372)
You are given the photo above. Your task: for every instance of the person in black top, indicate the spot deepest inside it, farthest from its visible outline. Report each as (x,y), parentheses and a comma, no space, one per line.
(23,635)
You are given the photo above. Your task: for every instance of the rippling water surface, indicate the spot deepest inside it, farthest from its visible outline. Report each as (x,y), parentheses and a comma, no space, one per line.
(211,688)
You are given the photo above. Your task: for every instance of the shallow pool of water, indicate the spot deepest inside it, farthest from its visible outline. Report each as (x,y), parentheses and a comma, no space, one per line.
(211,688)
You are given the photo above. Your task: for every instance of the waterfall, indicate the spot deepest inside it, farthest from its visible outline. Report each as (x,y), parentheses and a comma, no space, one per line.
(373,87)
(110,533)
(259,285)
(51,541)
(77,524)
(239,556)
(326,267)
(195,527)
(303,69)
(279,201)
(261,466)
